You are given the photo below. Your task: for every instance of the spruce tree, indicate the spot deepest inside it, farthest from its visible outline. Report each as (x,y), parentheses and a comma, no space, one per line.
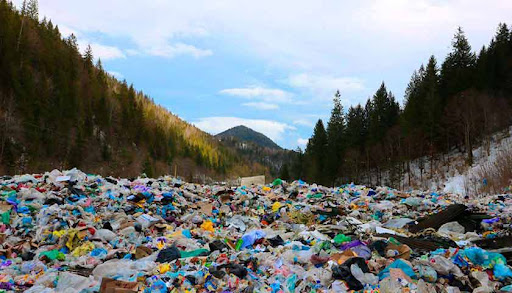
(316,151)
(32,9)
(383,113)
(88,57)
(335,139)
(284,173)
(433,103)
(355,130)
(297,170)
(457,72)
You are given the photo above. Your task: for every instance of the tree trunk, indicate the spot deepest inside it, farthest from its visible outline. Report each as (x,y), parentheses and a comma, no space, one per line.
(469,147)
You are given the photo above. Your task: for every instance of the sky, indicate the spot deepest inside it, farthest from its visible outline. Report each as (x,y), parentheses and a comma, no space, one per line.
(273,66)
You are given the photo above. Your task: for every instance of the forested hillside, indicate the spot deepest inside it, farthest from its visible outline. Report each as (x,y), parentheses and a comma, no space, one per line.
(60,109)
(457,103)
(256,147)
(245,134)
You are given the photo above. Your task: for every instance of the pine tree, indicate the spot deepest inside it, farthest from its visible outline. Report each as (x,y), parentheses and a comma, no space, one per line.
(483,78)
(72,42)
(297,170)
(316,151)
(499,60)
(383,113)
(356,128)
(284,173)
(31,9)
(23,9)
(433,102)
(88,57)
(413,103)
(335,139)
(457,72)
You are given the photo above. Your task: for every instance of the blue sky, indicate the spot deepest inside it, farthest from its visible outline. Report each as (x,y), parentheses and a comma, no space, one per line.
(270,65)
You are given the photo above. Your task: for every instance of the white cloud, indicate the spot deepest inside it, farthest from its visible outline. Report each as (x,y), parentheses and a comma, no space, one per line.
(116,74)
(322,83)
(131,52)
(262,105)
(342,42)
(171,51)
(290,33)
(66,31)
(303,122)
(273,129)
(261,93)
(302,142)
(337,37)
(102,51)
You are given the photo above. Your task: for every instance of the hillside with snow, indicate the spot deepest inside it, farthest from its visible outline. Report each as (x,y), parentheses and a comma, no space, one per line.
(450,172)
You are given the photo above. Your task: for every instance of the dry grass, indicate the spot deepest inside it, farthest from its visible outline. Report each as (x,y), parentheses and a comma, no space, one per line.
(497,173)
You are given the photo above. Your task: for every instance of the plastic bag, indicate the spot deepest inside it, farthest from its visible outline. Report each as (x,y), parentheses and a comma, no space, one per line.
(389,285)
(341,238)
(451,230)
(427,273)
(367,278)
(398,223)
(398,264)
(502,271)
(483,258)
(105,234)
(412,201)
(197,252)
(237,221)
(121,268)
(249,238)
(39,289)
(78,283)
(53,255)
(445,266)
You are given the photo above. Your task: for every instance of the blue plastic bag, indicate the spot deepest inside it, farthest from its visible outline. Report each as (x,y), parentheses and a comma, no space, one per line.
(251,237)
(398,264)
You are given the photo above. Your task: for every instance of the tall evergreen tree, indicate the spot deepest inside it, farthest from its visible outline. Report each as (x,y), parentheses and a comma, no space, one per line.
(482,77)
(316,151)
(356,128)
(383,114)
(335,139)
(297,169)
(88,57)
(457,71)
(284,173)
(499,60)
(413,103)
(32,9)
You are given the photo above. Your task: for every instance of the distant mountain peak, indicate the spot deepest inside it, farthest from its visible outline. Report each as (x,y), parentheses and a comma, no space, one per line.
(246,134)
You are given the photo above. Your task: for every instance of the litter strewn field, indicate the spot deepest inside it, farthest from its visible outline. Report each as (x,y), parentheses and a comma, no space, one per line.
(73,232)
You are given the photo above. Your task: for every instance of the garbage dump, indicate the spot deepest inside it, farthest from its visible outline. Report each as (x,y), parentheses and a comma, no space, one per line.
(75,232)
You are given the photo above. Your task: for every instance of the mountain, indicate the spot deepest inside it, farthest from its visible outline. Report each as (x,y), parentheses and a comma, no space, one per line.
(60,110)
(257,148)
(245,134)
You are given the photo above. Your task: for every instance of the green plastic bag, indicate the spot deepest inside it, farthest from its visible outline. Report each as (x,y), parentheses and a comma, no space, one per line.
(6,217)
(317,195)
(185,254)
(277,182)
(341,238)
(53,255)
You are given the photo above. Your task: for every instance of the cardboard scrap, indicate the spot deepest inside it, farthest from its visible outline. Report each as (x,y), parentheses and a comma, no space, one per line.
(205,208)
(109,285)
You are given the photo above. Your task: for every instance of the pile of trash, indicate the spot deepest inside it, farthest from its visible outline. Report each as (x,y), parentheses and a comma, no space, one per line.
(75,232)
